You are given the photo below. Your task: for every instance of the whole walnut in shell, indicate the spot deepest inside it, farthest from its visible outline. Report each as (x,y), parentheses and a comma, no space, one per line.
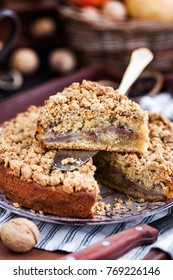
(62,60)
(43,27)
(19,234)
(25,60)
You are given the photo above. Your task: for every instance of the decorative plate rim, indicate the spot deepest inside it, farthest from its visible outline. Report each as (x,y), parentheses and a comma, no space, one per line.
(7,204)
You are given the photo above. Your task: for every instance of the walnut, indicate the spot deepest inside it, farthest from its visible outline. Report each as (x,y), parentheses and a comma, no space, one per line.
(62,60)
(19,234)
(42,28)
(25,60)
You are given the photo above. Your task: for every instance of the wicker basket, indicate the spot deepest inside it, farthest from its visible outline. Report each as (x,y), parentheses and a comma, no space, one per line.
(111,43)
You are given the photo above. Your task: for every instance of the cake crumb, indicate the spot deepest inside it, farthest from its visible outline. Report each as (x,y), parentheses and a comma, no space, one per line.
(141,200)
(68,160)
(120,201)
(101,207)
(138,207)
(129,201)
(16,205)
(71,160)
(119,206)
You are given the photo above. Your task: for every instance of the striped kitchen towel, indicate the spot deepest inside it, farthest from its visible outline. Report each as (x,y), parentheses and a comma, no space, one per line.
(71,238)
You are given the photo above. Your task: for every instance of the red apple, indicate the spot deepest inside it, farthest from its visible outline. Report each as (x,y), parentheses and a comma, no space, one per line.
(161,10)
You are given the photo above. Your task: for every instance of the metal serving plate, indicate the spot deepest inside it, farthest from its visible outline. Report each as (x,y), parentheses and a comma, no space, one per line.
(128,210)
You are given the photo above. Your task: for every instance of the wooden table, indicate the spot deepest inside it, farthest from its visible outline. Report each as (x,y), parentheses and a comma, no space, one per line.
(37,254)
(34,254)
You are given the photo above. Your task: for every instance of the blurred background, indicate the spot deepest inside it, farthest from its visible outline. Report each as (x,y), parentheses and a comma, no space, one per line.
(57,38)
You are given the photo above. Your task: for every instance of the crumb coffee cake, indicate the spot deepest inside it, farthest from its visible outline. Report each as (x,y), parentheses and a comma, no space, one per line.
(27,177)
(149,176)
(89,116)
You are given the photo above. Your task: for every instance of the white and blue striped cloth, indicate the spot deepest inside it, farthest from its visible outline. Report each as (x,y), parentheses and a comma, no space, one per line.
(71,238)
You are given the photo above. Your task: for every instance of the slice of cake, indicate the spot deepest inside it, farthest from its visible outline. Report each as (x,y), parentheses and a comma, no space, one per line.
(89,116)
(149,176)
(27,177)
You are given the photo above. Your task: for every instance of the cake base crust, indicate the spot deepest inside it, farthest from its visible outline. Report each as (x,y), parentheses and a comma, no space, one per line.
(47,199)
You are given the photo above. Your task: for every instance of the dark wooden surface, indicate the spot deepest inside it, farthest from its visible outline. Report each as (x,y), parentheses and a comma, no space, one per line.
(156,254)
(36,254)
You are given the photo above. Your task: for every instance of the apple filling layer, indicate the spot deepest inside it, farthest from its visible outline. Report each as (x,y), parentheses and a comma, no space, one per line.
(112,136)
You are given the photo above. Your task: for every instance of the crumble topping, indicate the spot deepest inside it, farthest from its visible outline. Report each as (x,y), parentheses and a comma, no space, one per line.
(155,167)
(118,206)
(24,157)
(71,160)
(78,105)
(100,208)
(68,160)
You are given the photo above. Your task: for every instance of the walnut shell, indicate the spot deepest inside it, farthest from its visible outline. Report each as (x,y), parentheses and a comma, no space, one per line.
(62,60)
(19,234)
(43,27)
(25,60)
